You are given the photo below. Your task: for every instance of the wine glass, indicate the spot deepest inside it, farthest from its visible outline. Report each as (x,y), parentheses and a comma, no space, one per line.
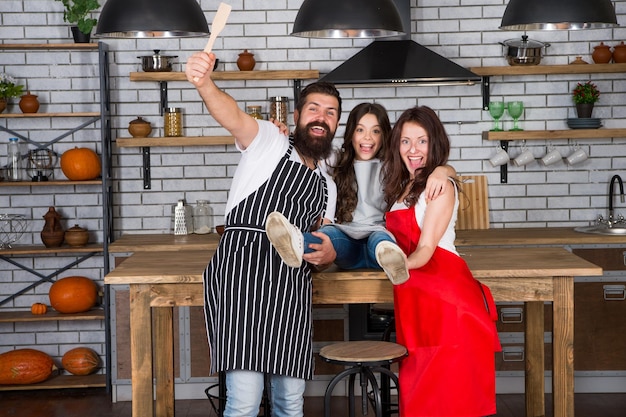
(496,110)
(515,109)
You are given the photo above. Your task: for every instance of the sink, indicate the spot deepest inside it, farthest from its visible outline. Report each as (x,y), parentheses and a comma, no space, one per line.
(602,229)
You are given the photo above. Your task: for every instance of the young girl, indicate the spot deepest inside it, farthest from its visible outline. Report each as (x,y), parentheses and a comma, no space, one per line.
(443,316)
(360,227)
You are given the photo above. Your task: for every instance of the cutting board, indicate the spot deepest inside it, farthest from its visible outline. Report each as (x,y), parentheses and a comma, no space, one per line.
(473,203)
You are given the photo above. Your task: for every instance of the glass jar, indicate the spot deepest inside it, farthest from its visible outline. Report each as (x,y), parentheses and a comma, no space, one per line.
(173,122)
(279,108)
(255,112)
(202,218)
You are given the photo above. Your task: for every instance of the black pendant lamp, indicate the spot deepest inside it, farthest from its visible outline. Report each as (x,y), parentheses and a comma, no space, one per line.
(558,14)
(151,19)
(347,19)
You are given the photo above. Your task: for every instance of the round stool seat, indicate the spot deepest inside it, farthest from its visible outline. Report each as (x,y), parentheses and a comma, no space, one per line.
(362,351)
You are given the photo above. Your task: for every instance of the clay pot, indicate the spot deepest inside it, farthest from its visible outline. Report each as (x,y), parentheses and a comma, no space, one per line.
(619,53)
(29,103)
(76,236)
(3,105)
(601,54)
(246,61)
(52,234)
(139,128)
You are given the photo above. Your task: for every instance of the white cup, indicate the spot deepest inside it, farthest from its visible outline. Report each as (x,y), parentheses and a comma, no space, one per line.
(579,155)
(524,158)
(500,158)
(552,157)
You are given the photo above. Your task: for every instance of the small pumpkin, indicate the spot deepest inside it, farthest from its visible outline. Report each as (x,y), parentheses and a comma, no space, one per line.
(81,164)
(74,294)
(39,308)
(25,366)
(81,361)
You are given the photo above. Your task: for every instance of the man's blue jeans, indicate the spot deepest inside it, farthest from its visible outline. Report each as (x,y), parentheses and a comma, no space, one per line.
(244,390)
(351,253)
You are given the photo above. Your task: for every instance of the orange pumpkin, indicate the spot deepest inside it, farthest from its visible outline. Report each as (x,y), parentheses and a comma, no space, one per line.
(39,308)
(81,164)
(73,294)
(81,361)
(25,366)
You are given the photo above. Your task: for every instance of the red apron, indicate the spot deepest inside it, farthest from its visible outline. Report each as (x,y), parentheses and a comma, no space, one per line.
(446,320)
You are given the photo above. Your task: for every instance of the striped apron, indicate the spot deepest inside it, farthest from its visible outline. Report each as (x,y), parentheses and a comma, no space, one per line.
(258,309)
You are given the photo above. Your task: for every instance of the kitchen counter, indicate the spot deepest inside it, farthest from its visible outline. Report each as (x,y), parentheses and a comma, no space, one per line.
(535,236)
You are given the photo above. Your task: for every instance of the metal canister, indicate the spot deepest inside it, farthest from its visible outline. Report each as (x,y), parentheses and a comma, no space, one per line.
(173,123)
(279,106)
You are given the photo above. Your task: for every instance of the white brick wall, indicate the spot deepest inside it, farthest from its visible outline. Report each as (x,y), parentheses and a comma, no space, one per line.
(464,31)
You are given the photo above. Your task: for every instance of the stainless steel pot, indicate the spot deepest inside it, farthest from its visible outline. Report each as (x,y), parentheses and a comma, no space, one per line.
(524,51)
(156,62)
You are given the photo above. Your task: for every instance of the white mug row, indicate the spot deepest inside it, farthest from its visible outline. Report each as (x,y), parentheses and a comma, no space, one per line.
(526,156)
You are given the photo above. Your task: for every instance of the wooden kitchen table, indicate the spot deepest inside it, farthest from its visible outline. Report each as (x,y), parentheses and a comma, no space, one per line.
(161,280)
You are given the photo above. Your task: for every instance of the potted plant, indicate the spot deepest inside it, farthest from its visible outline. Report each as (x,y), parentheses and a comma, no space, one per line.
(585,95)
(78,12)
(8,89)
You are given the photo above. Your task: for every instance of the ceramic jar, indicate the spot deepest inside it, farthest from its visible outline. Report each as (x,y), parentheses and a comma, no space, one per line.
(52,234)
(29,103)
(246,61)
(139,128)
(619,53)
(76,236)
(601,54)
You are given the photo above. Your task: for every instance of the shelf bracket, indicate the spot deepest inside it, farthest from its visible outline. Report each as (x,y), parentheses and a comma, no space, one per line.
(163,88)
(297,86)
(504,144)
(486,94)
(146,167)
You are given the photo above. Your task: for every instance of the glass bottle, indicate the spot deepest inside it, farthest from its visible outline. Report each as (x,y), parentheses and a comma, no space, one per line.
(279,108)
(202,218)
(255,112)
(14,160)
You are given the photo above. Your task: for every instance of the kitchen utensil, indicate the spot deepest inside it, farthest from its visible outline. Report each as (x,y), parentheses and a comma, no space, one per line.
(579,155)
(12,227)
(524,51)
(553,156)
(219,21)
(41,164)
(156,62)
(524,158)
(500,158)
(515,109)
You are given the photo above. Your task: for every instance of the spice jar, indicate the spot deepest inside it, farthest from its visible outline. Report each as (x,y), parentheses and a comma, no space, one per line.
(173,125)
(255,112)
(202,218)
(278,108)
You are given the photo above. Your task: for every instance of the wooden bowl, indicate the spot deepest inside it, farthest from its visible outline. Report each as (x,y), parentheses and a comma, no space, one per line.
(76,236)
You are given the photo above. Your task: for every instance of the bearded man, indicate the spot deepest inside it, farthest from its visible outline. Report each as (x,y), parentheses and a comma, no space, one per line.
(258,309)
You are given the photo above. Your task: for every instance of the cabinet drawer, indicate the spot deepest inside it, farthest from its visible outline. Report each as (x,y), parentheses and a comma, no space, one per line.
(609,259)
(512,317)
(513,357)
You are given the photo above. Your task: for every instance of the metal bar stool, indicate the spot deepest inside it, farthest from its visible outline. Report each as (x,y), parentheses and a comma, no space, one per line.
(386,309)
(364,358)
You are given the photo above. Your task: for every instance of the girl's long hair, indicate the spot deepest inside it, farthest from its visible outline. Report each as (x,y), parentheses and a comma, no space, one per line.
(395,174)
(343,172)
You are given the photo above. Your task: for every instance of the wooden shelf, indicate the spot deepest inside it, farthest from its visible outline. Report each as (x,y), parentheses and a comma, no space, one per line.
(27,316)
(48,46)
(175,141)
(61,381)
(230,75)
(555,134)
(42,250)
(549,69)
(47,183)
(29,115)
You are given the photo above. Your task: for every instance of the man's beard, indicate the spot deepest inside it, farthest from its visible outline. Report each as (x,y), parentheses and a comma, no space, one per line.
(313,146)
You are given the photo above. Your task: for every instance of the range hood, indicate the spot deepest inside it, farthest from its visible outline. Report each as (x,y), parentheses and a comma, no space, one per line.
(400,60)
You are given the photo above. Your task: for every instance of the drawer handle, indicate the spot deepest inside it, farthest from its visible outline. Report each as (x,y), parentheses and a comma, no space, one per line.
(513,353)
(624,258)
(512,315)
(614,292)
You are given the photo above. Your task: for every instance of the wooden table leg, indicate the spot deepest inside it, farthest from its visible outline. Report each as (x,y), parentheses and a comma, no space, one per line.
(164,360)
(141,351)
(563,347)
(535,360)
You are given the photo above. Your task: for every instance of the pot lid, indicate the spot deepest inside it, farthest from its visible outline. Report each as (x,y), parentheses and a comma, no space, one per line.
(524,43)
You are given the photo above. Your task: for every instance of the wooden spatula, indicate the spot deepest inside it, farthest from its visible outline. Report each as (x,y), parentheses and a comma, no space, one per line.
(219,21)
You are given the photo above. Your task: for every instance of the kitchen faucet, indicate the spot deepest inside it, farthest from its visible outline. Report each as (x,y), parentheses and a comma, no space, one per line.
(615,178)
